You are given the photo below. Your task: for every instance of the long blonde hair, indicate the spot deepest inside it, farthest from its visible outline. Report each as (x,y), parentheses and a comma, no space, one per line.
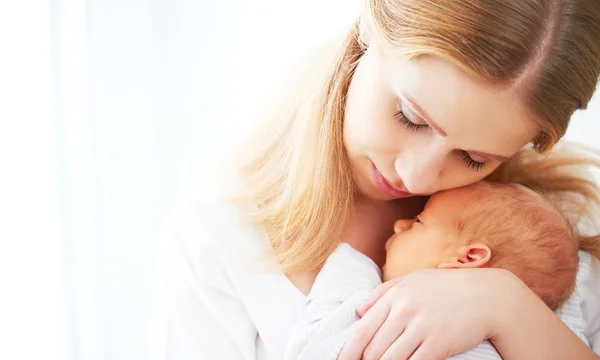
(296,170)
(565,175)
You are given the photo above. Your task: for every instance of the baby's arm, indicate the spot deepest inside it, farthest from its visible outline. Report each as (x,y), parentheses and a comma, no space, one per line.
(346,281)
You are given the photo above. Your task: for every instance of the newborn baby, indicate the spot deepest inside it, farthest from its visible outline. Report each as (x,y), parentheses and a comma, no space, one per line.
(482,225)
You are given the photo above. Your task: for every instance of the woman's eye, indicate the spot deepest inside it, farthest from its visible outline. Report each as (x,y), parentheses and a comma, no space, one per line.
(470,163)
(402,119)
(465,157)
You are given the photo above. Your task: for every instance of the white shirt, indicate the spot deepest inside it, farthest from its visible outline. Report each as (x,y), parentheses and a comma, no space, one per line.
(346,281)
(220,302)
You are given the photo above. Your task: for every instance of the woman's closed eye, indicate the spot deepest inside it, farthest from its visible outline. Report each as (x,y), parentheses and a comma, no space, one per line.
(469,162)
(402,119)
(464,156)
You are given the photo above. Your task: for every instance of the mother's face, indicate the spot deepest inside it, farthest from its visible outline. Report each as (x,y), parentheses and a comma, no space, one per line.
(423,125)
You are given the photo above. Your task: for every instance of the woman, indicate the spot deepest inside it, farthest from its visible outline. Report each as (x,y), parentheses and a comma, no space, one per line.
(421,96)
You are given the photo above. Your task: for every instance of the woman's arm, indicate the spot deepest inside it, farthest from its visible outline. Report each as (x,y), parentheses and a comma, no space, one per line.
(201,315)
(532,323)
(528,329)
(433,314)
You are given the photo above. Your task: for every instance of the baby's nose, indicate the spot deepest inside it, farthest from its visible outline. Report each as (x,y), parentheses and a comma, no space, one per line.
(402,224)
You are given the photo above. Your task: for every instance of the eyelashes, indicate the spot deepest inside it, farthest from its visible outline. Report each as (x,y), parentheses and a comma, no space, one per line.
(470,163)
(401,118)
(464,156)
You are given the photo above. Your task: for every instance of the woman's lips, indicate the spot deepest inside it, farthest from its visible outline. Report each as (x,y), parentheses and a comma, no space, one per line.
(385,186)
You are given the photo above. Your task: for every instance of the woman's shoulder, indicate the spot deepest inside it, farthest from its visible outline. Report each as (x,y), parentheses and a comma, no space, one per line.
(202,209)
(588,278)
(588,275)
(211,222)
(581,312)
(590,298)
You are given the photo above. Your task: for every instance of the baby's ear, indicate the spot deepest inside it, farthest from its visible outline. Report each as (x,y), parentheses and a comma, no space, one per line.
(469,256)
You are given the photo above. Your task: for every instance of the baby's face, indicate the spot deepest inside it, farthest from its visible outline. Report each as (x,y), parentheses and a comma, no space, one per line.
(424,242)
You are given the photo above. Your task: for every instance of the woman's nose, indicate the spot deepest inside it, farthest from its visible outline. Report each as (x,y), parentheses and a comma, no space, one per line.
(420,171)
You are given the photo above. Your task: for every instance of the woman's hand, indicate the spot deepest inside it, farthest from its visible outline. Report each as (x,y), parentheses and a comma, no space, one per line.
(433,314)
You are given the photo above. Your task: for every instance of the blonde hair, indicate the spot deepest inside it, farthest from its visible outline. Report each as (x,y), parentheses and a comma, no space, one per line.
(296,168)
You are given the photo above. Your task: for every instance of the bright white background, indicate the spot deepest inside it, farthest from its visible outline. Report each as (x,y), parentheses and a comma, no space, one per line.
(110,113)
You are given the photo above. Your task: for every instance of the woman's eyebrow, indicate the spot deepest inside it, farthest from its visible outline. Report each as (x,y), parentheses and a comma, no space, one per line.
(489,156)
(422,114)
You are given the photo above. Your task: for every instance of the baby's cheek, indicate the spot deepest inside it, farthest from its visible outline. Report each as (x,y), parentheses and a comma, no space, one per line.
(393,266)
(392,253)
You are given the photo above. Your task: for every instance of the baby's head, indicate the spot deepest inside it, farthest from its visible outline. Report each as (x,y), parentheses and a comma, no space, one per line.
(489,225)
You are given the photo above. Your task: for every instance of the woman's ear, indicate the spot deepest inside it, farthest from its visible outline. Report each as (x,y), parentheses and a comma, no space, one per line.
(469,256)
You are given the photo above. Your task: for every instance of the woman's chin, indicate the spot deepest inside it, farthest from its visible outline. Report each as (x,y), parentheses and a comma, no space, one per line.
(374,194)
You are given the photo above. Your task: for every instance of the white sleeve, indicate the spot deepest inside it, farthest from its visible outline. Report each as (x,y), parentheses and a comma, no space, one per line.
(484,351)
(201,315)
(347,280)
(590,305)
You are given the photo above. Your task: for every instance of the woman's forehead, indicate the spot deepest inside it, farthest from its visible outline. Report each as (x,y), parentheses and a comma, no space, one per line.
(474,115)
